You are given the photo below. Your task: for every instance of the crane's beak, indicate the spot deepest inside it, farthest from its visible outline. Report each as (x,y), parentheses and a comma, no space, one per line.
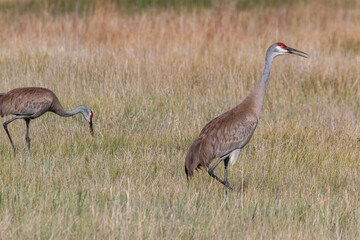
(91,127)
(297,52)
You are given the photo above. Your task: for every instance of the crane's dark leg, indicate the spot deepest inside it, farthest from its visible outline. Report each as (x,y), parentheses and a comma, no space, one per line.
(7,132)
(27,134)
(212,174)
(226,163)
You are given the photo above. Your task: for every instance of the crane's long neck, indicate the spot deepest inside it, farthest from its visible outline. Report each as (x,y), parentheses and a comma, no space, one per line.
(60,111)
(257,96)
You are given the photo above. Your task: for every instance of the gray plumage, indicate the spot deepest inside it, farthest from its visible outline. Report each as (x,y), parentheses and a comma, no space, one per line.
(32,102)
(224,136)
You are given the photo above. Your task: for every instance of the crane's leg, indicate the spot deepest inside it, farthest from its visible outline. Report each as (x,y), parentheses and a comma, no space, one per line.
(27,134)
(226,163)
(212,174)
(7,132)
(211,170)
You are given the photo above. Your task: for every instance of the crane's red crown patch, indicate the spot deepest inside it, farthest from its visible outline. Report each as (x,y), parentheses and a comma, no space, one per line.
(91,114)
(282,45)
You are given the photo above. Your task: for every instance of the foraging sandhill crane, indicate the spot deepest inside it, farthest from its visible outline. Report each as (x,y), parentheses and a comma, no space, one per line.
(225,135)
(32,102)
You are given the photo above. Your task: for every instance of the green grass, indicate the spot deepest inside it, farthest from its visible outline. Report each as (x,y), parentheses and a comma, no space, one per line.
(153,80)
(85,7)
(58,7)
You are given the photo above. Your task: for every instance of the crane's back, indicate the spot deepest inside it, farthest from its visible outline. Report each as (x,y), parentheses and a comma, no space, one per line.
(230,131)
(26,101)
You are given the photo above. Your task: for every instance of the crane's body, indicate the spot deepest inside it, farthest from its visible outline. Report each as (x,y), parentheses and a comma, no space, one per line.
(27,102)
(225,135)
(32,102)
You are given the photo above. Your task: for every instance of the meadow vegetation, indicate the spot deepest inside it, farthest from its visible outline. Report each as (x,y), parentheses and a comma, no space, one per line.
(154,78)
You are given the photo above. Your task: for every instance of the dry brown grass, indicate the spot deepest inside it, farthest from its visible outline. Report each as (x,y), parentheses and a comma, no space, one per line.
(154,79)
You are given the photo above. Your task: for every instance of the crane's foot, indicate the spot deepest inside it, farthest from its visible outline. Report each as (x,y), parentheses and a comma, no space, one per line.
(226,184)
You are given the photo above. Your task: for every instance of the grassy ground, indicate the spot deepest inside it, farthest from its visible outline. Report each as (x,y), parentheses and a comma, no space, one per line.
(154,79)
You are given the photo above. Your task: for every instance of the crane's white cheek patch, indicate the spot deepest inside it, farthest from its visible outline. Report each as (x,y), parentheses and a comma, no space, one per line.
(282,50)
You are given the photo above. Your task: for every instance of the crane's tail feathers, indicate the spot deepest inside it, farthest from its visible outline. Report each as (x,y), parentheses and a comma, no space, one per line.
(197,157)
(2,112)
(187,174)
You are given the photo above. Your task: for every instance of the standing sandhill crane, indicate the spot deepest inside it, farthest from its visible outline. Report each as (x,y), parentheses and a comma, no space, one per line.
(224,136)
(32,102)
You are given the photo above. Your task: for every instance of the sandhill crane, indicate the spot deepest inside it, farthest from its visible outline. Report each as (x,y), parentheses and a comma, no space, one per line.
(225,135)
(32,102)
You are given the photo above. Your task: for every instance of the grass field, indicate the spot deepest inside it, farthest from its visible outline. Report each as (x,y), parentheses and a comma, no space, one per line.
(154,78)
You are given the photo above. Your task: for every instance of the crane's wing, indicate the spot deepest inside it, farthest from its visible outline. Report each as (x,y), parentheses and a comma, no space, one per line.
(229,131)
(26,101)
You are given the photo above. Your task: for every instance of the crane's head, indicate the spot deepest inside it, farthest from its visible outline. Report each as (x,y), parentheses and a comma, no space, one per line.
(90,122)
(280,49)
(88,115)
